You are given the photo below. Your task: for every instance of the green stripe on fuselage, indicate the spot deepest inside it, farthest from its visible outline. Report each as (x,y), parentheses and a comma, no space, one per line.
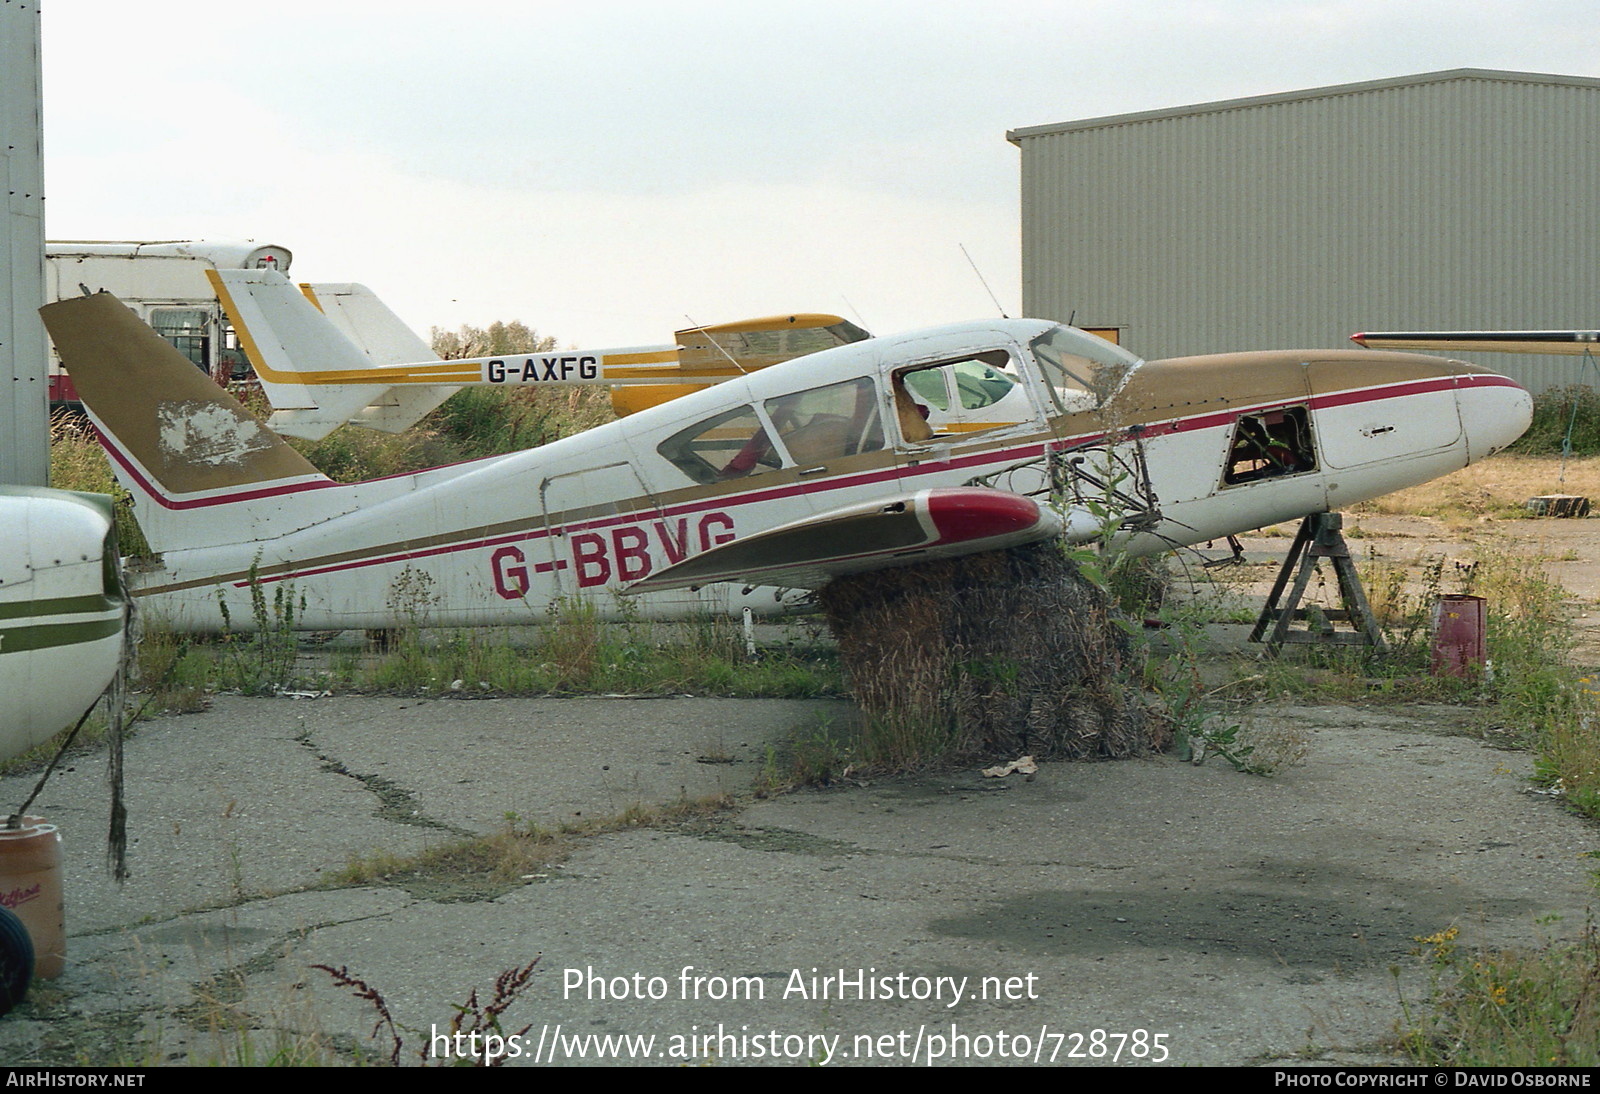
(93,603)
(52,635)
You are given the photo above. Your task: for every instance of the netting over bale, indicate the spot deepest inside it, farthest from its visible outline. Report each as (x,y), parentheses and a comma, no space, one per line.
(993,655)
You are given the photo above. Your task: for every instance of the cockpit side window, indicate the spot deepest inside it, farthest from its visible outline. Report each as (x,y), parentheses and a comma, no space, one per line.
(825,423)
(731,445)
(965,395)
(1080,370)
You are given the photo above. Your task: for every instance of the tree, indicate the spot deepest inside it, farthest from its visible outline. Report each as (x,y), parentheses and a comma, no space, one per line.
(498,338)
(487,421)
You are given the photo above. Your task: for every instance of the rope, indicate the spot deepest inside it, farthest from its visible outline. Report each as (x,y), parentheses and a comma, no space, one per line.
(1572,419)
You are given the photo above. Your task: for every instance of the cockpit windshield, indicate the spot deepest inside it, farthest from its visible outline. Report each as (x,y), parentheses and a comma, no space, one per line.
(1080,370)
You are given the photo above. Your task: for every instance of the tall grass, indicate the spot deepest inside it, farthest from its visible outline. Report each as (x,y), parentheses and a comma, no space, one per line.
(1491,489)
(77,462)
(1508,1008)
(574,653)
(1532,686)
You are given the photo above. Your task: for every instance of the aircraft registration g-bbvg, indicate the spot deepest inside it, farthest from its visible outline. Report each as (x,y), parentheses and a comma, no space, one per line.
(874,454)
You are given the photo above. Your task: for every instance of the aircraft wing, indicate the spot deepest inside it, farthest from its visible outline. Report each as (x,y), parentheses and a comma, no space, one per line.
(928,524)
(708,355)
(1573,343)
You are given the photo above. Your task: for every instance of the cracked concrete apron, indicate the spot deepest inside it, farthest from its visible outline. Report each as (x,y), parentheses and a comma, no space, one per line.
(1247,919)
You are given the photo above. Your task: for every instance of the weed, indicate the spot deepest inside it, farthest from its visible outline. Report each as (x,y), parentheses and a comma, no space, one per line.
(484,867)
(573,652)
(1529,688)
(820,756)
(1508,1008)
(475,1036)
(178,675)
(1274,747)
(77,462)
(473,868)
(262,661)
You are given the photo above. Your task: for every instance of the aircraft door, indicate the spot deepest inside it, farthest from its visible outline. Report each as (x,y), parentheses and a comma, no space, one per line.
(833,436)
(603,527)
(1363,421)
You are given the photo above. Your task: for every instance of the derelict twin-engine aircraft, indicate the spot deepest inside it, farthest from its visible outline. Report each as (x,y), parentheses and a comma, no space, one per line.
(874,454)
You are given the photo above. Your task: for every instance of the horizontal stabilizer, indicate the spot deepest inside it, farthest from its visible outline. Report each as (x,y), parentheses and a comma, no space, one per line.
(809,553)
(383,337)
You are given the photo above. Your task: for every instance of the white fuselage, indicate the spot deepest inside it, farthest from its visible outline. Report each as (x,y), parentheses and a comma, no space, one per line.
(501,540)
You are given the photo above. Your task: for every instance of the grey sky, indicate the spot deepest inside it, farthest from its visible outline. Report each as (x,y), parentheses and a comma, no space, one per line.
(601,171)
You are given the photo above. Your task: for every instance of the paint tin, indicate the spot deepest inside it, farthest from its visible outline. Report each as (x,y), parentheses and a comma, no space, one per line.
(1458,636)
(30,885)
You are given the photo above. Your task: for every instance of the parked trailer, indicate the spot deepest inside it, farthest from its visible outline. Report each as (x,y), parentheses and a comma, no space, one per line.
(165,284)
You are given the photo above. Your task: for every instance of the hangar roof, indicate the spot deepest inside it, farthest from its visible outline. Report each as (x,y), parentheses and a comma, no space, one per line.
(1015,135)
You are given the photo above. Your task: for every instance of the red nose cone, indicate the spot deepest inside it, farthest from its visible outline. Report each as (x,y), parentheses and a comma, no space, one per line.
(967,513)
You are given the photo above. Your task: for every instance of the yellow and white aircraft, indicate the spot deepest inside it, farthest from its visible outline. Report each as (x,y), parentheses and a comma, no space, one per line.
(387,378)
(873,454)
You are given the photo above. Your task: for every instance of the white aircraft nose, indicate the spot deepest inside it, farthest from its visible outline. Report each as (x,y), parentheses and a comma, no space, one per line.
(1495,411)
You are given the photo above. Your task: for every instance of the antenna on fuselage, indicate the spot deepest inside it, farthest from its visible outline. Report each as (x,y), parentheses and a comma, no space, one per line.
(982,282)
(859,320)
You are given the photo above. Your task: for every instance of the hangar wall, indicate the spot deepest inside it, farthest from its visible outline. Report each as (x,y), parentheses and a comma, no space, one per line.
(1448,200)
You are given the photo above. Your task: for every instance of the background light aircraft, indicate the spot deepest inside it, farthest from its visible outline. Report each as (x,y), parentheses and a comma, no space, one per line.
(381,375)
(874,454)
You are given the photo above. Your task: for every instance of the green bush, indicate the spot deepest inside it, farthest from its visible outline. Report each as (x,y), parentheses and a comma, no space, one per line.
(1575,406)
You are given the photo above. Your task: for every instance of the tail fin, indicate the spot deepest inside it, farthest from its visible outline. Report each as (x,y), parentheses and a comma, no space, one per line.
(314,376)
(177,440)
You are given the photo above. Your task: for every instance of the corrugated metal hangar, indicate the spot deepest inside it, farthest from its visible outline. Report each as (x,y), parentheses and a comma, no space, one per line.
(1463,199)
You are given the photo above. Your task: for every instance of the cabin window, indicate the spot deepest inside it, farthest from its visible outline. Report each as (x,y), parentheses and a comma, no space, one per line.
(1080,370)
(961,396)
(1269,445)
(825,423)
(185,328)
(232,363)
(732,445)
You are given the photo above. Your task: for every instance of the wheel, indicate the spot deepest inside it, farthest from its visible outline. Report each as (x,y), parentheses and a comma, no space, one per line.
(16,960)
